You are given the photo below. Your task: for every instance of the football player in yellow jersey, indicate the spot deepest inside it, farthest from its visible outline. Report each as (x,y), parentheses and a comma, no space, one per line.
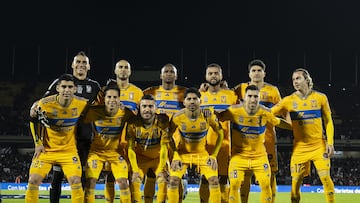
(130,96)
(148,138)
(193,127)
(58,144)
(269,96)
(108,123)
(309,111)
(169,99)
(219,99)
(248,152)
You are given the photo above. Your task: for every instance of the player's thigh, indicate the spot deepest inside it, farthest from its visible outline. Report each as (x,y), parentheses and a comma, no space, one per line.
(94,166)
(42,165)
(119,167)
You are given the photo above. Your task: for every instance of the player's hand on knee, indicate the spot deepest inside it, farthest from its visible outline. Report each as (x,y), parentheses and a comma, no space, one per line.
(38,150)
(212,162)
(176,165)
(136,176)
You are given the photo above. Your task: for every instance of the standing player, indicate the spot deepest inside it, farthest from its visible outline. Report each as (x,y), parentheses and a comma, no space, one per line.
(86,88)
(148,137)
(130,96)
(108,123)
(193,127)
(248,152)
(311,118)
(269,96)
(219,99)
(169,100)
(58,144)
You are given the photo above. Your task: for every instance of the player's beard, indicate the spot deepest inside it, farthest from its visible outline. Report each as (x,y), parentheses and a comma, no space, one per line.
(214,84)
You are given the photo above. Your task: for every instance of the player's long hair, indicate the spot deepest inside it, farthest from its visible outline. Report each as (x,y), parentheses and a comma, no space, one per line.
(306,75)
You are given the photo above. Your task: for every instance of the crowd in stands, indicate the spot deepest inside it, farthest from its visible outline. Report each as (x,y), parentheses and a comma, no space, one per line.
(344,171)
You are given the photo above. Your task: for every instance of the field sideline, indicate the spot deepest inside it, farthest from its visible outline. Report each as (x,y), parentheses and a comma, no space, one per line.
(282,197)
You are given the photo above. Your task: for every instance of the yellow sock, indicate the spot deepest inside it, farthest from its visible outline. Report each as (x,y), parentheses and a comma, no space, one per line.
(136,192)
(224,189)
(149,189)
(328,185)
(77,193)
(234,194)
(109,192)
(204,192)
(173,194)
(215,194)
(161,193)
(32,194)
(125,196)
(89,195)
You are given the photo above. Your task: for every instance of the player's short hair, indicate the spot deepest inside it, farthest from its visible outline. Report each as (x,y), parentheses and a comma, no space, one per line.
(168,65)
(147,97)
(257,62)
(66,77)
(252,87)
(192,90)
(112,87)
(306,75)
(214,65)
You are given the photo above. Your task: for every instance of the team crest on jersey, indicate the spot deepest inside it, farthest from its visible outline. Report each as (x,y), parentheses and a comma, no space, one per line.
(206,99)
(183,126)
(223,99)
(73,111)
(314,103)
(202,125)
(158,95)
(88,89)
(131,95)
(79,89)
(295,105)
(118,121)
(264,96)
(175,95)
(155,132)
(54,112)
(75,160)
(241,119)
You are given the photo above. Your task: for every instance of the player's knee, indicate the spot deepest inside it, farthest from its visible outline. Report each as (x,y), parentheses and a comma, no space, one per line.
(214,180)
(123,183)
(174,181)
(161,178)
(74,180)
(35,179)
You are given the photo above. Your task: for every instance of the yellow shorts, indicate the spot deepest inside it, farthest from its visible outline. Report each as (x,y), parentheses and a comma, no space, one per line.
(195,159)
(69,162)
(96,161)
(300,162)
(239,166)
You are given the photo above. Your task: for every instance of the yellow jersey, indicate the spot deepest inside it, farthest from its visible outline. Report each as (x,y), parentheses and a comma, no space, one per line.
(63,121)
(248,131)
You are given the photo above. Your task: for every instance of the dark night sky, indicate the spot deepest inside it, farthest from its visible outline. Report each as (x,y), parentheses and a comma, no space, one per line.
(154,34)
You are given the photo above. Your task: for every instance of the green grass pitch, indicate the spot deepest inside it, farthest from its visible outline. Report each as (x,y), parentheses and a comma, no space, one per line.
(282,197)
